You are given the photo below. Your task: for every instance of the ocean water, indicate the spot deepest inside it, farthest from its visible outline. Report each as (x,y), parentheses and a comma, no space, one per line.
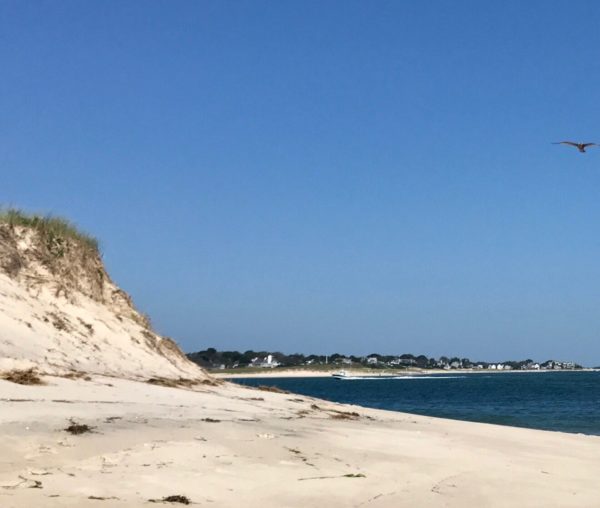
(558,401)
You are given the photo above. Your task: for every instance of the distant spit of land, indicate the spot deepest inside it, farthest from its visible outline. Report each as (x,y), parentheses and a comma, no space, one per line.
(248,362)
(327,371)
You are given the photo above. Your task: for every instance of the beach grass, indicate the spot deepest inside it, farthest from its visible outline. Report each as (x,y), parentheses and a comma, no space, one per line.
(49,227)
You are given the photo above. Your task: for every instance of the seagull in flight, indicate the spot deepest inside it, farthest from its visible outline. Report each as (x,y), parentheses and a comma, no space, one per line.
(580,146)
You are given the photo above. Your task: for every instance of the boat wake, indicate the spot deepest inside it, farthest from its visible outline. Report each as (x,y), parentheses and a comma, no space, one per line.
(382,378)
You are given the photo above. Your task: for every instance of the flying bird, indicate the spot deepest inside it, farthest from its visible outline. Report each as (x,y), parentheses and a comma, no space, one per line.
(580,146)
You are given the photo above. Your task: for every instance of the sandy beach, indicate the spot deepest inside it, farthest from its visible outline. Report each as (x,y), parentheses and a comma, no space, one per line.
(219,446)
(274,374)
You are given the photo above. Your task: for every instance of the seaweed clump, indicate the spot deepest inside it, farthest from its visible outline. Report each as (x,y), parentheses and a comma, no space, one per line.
(172,499)
(78,428)
(23,377)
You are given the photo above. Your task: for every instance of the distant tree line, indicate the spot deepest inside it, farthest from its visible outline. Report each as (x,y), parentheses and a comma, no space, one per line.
(211,358)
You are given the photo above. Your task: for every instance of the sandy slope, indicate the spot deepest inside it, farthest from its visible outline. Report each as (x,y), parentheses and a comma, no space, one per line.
(58,335)
(61,312)
(271,450)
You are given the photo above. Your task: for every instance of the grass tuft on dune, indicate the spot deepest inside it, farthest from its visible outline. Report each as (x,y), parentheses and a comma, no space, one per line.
(53,229)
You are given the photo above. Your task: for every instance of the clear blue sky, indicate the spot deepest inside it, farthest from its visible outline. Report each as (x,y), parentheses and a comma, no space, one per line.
(320,176)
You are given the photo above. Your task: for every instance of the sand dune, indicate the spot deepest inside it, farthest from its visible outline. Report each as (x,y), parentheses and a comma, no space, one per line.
(63,313)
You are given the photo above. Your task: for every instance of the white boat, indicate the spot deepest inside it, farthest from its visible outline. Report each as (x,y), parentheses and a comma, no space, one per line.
(340,374)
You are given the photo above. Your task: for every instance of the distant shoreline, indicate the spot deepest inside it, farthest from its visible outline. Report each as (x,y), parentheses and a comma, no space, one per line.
(295,373)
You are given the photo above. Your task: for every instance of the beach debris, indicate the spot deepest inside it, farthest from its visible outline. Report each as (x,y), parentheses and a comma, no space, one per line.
(170,383)
(211,420)
(298,453)
(101,498)
(336,414)
(349,475)
(344,415)
(24,483)
(23,377)
(181,382)
(172,499)
(75,374)
(273,389)
(78,428)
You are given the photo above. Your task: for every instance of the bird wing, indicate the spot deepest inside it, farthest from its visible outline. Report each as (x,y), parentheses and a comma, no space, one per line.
(565,143)
(585,145)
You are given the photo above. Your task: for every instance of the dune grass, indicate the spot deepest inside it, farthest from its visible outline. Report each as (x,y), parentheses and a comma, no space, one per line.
(49,227)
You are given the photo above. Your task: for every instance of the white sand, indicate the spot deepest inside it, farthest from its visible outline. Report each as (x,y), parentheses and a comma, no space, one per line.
(274,374)
(151,442)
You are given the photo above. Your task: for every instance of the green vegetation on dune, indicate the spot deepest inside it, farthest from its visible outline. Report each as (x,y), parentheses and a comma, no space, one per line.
(53,229)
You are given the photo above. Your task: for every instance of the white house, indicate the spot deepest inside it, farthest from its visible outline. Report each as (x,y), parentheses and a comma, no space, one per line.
(267,362)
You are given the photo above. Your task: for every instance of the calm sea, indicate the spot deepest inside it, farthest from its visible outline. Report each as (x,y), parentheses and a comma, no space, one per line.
(560,401)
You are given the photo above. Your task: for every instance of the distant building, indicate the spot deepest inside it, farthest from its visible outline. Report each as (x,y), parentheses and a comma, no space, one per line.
(268,362)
